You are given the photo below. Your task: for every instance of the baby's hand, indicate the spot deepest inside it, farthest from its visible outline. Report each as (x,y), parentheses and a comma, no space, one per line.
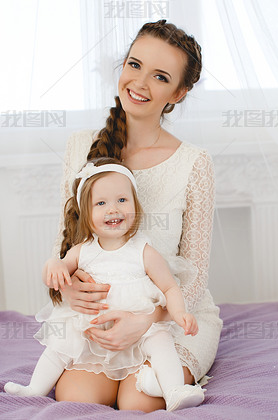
(187,322)
(55,274)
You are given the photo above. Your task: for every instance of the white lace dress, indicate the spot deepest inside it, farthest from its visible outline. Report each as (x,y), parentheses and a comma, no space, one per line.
(177,197)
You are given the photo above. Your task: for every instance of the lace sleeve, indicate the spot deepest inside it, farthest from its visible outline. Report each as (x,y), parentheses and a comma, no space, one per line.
(76,152)
(196,235)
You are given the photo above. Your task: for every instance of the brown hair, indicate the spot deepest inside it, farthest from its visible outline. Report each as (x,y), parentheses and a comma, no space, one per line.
(78,222)
(113,137)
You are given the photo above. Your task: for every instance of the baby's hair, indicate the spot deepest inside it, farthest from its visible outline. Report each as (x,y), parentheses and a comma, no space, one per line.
(113,137)
(78,223)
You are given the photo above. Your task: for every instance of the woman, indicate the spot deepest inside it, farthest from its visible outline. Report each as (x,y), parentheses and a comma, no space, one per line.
(175,188)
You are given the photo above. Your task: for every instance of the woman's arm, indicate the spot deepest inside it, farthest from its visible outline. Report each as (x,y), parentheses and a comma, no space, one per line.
(197,227)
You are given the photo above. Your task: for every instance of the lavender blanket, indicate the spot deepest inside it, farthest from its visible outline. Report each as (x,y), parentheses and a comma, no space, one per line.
(244,384)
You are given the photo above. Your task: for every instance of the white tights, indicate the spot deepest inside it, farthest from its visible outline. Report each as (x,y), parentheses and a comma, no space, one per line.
(159,347)
(164,360)
(47,372)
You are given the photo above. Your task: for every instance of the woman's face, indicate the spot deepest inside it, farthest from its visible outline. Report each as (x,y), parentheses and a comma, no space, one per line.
(150,77)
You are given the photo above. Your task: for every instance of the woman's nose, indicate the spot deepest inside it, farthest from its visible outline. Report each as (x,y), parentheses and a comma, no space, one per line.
(141,81)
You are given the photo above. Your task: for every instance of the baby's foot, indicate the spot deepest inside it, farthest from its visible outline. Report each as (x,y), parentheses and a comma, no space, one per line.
(184,396)
(147,382)
(19,390)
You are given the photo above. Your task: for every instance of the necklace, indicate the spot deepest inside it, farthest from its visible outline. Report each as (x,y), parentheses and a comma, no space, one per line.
(148,147)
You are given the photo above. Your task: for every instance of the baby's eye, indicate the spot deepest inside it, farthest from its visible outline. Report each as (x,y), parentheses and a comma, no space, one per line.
(134,65)
(100,203)
(122,200)
(162,78)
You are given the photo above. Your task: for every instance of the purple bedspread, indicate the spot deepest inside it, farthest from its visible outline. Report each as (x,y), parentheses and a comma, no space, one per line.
(244,384)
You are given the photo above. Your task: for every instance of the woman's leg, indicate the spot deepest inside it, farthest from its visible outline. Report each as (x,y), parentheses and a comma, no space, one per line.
(83,386)
(188,377)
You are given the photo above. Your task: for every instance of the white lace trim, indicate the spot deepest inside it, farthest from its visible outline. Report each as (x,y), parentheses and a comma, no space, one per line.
(188,360)
(195,242)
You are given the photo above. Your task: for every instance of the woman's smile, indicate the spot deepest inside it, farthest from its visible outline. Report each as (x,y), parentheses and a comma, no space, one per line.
(136,97)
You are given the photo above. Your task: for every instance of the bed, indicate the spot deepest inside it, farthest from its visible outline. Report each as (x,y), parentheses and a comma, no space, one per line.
(244,384)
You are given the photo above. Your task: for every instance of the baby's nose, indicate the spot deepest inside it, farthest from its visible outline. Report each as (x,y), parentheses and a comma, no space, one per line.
(112,209)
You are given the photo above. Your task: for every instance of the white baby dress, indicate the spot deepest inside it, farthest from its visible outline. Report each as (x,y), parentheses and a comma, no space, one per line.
(131,290)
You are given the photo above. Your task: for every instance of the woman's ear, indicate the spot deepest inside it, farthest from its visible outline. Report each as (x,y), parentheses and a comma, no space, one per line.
(179,95)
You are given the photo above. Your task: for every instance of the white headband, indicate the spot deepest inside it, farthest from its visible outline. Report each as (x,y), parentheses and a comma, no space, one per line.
(90,169)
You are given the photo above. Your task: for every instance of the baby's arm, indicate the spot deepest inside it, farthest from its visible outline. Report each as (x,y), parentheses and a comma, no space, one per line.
(159,272)
(56,272)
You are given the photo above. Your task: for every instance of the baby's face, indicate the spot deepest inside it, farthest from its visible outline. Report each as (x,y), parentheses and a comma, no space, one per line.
(113,209)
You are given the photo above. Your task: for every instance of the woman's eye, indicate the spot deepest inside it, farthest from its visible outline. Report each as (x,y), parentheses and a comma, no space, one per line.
(122,200)
(100,203)
(162,78)
(134,65)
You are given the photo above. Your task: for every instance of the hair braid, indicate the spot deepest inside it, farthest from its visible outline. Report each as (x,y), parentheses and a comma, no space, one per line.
(71,222)
(112,138)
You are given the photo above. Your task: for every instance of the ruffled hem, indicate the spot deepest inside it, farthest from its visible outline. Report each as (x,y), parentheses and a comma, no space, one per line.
(85,354)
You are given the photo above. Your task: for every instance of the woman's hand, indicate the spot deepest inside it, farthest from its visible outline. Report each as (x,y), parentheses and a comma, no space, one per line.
(127,329)
(84,294)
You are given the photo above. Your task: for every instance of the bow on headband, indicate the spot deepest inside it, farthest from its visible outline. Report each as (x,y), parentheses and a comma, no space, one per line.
(90,169)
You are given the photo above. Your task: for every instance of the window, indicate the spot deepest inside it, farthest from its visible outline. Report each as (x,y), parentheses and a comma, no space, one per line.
(238,58)
(41,45)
